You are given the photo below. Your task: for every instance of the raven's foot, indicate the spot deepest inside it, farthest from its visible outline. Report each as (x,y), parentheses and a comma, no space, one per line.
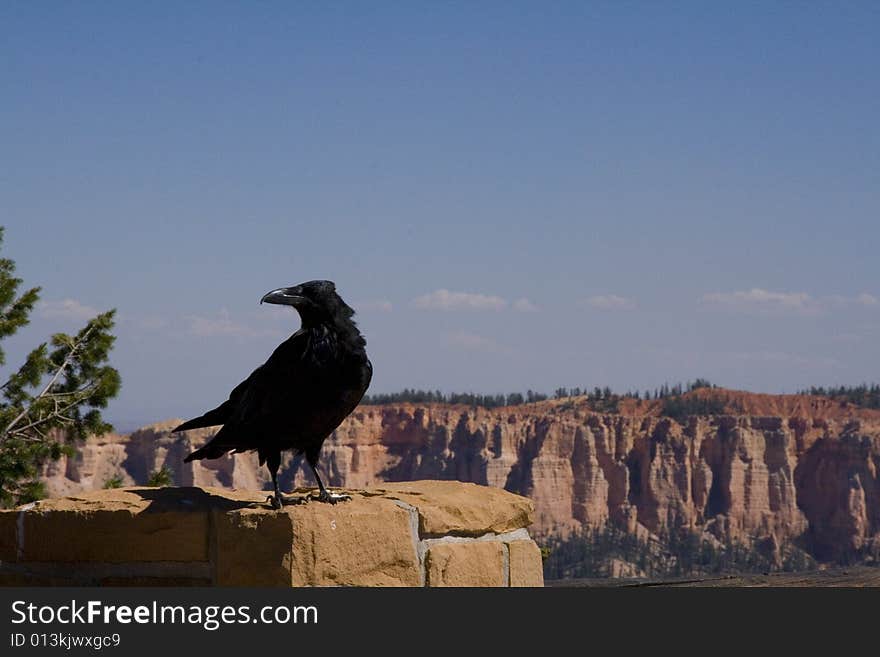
(330,498)
(279,501)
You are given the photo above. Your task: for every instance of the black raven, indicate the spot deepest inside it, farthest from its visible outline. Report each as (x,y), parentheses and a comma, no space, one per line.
(294,400)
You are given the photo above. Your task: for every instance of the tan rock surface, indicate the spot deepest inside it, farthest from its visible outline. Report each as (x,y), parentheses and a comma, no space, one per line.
(190,535)
(8,537)
(123,525)
(452,507)
(476,563)
(252,548)
(365,542)
(525,564)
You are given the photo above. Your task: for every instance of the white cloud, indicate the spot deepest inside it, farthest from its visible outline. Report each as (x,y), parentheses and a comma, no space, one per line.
(473,342)
(864,299)
(66,309)
(381,305)
(759,296)
(759,299)
(224,326)
(525,306)
(446,300)
(611,302)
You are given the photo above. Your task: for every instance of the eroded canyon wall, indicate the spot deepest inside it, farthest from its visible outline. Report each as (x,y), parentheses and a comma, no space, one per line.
(813,478)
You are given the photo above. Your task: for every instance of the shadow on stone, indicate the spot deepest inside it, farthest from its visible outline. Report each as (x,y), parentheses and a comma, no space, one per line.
(192,498)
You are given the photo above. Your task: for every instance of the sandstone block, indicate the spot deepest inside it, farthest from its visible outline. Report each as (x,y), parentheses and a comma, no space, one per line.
(155,581)
(8,536)
(15,578)
(252,547)
(476,563)
(116,526)
(364,542)
(526,567)
(180,536)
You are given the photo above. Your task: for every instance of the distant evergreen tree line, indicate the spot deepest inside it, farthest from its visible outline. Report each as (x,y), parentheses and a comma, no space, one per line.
(588,552)
(676,403)
(866,396)
(678,408)
(599,399)
(428,396)
(419,396)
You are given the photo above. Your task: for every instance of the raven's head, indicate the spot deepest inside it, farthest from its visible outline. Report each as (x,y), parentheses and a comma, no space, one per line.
(315,301)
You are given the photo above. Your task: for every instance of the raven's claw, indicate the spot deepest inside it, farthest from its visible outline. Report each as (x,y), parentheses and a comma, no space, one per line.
(277,502)
(330,498)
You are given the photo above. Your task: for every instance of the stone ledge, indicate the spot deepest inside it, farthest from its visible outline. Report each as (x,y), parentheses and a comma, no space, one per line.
(423,533)
(461,509)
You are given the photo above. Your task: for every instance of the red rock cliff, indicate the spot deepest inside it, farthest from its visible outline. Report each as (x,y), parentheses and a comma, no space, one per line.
(782,467)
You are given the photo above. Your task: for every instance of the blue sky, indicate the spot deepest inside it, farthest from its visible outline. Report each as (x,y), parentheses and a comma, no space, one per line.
(514,195)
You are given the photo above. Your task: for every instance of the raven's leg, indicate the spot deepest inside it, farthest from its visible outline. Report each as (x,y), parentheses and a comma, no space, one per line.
(273,462)
(324,495)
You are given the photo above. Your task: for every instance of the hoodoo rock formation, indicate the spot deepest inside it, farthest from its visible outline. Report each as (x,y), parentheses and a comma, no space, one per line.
(777,468)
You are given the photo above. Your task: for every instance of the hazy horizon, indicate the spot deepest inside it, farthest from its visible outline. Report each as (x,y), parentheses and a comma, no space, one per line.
(511,195)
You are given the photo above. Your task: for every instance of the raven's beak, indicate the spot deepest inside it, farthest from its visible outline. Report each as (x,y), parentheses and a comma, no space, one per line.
(286,296)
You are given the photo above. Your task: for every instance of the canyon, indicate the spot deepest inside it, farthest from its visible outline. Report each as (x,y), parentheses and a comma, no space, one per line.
(770,468)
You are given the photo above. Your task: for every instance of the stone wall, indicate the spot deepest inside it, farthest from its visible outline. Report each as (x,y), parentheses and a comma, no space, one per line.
(422,533)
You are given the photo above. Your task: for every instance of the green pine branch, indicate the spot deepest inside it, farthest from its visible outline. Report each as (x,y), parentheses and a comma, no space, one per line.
(55,397)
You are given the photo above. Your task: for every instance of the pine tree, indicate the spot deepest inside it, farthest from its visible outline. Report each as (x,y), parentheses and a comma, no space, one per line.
(160,478)
(115,481)
(54,398)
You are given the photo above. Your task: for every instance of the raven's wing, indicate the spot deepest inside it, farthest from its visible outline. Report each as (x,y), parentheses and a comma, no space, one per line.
(246,406)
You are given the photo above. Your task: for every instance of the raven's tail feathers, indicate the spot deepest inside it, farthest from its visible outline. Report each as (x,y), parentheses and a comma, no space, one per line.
(212,450)
(219,415)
